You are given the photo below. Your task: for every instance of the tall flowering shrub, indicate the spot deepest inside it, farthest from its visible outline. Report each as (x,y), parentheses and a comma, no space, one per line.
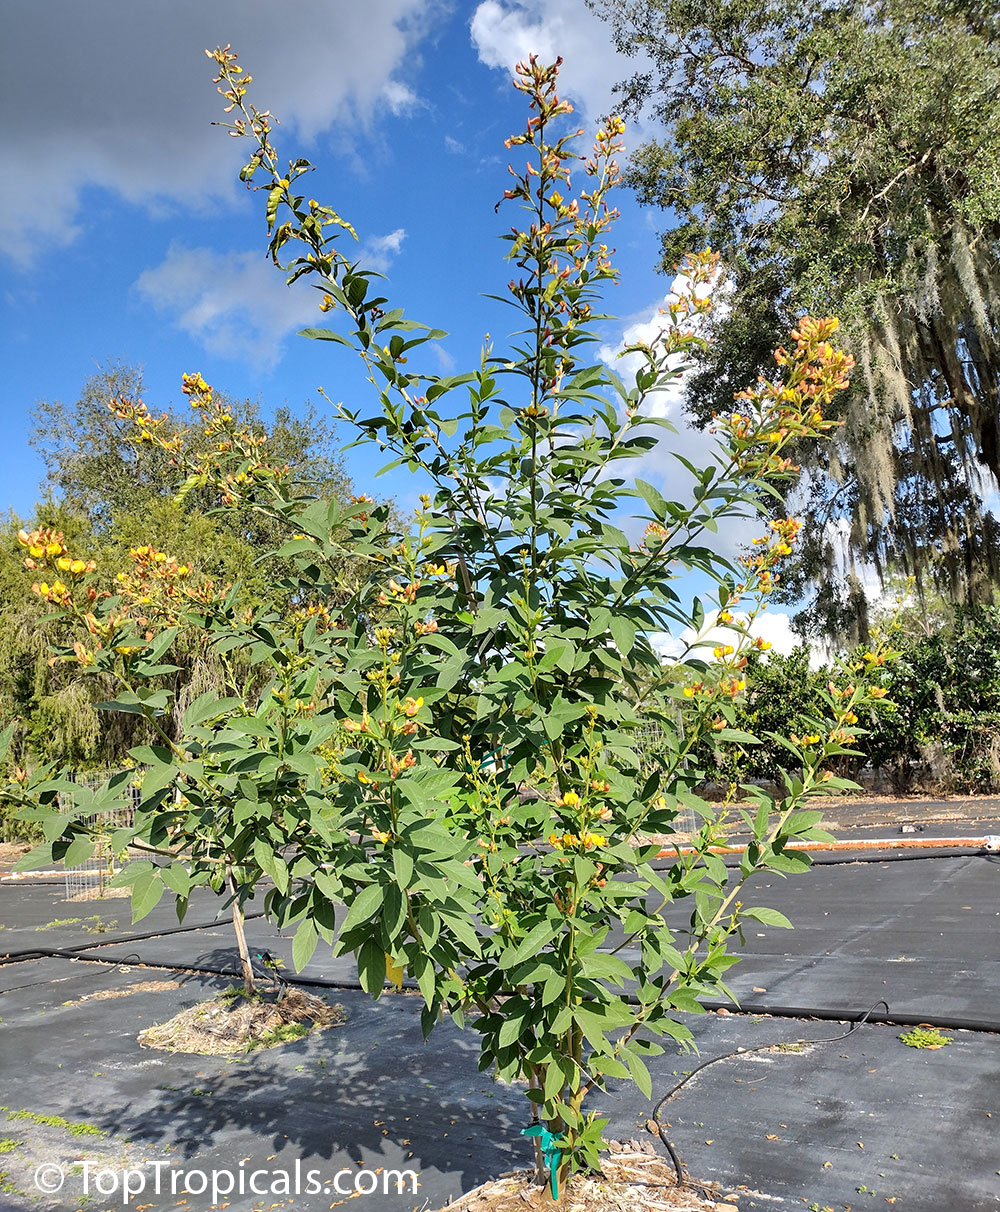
(481,823)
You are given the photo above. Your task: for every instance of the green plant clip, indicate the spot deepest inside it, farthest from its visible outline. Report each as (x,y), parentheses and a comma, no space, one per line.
(551,1155)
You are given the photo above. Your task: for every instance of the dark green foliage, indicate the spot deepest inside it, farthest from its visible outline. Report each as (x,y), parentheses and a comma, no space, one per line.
(108,494)
(842,158)
(938,729)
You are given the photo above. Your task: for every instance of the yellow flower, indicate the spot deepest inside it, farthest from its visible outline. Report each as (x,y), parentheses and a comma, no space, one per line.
(571,799)
(63,563)
(723,650)
(878,692)
(77,567)
(393,971)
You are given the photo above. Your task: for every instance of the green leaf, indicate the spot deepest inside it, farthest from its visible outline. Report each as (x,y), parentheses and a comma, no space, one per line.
(737,736)
(146,893)
(371,966)
(304,944)
(208,706)
(534,940)
(768,917)
(402,865)
(365,904)
(325,334)
(653,498)
(5,738)
(640,1074)
(177,878)
(79,850)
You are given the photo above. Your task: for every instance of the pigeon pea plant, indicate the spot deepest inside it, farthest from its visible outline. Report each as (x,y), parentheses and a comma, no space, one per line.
(489,822)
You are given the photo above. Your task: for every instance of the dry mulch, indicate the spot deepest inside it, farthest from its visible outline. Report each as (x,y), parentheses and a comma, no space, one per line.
(107,995)
(233,1025)
(633,1178)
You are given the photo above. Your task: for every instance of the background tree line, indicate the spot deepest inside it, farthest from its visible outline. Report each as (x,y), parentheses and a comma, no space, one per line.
(937,730)
(109,495)
(842,155)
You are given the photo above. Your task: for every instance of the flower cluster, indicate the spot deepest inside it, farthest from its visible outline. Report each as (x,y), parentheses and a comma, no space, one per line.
(399,593)
(776,546)
(47,551)
(791,406)
(160,587)
(571,841)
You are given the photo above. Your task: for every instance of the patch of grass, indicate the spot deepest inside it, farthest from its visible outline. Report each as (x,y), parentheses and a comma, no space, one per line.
(280,1035)
(100,926)
(7,1184)
(237,991)
(95,924)
(925,1037)
(8,1144)
(75,1128)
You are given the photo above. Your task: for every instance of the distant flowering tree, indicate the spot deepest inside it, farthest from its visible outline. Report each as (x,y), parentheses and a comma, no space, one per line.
(483,816)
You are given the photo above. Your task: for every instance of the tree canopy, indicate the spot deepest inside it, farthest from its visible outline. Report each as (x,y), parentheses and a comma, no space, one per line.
(842,157)
(109,494)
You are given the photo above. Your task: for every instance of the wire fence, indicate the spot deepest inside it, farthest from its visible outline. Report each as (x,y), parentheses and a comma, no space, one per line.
(657,751)
(89,880)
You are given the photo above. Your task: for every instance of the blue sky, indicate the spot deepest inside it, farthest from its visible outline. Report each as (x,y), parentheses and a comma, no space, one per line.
(125,233)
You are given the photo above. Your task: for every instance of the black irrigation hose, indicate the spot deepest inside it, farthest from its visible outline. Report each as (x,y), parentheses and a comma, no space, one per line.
(16,957)
(765,1010)
(861,856)
(859,1019)
(112,966)
(655,1117)
(200,969)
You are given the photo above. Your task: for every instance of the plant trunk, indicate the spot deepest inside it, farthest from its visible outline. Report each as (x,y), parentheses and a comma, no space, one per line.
(249,984)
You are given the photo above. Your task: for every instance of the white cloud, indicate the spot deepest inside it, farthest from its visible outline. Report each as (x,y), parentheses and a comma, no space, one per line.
(690,441)
(773,626)
(507,31)
(400,98)
(120,97)
(379,252)
(237,304)
(234,304)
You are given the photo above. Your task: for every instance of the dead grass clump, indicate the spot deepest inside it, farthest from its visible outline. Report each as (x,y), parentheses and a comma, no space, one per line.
(233,1024)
